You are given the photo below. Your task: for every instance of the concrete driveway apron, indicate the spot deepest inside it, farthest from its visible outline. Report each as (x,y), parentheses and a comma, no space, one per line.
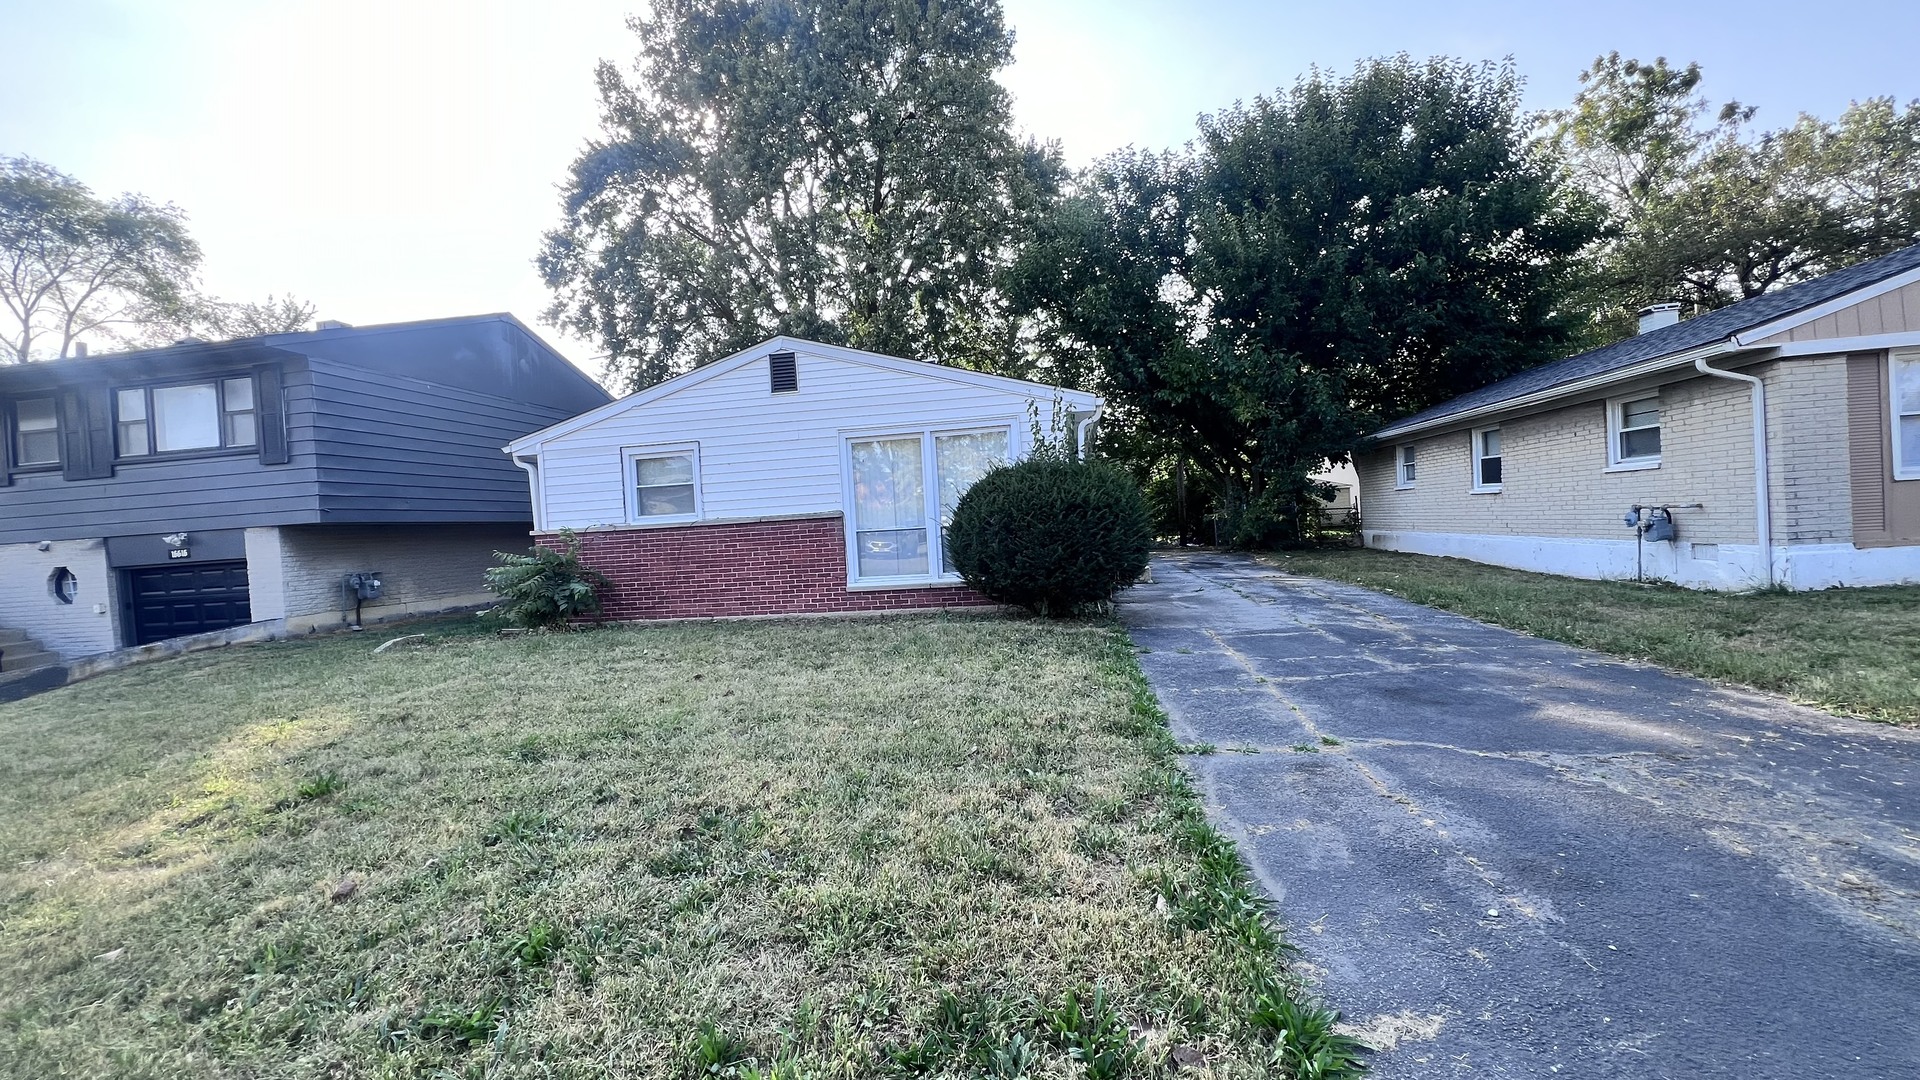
(1505,857)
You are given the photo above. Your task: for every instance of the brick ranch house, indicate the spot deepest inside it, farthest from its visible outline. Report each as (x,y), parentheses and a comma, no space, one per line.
(790,478)
(1792,419)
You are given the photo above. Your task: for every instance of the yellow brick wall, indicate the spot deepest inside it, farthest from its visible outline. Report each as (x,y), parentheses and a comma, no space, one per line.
(1556,481)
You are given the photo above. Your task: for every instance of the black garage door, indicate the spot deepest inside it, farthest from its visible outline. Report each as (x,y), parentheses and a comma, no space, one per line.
(169,601)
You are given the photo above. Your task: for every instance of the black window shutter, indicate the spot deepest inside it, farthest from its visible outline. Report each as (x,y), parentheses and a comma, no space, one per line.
(97,403)
(74,454)
(6,444)
(783,372)
(269,395)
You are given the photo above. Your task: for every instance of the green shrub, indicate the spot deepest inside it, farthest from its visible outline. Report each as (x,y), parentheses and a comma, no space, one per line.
(545,587)
(1055,536)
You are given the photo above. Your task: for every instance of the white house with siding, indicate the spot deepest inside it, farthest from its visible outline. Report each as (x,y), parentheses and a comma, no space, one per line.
(791,477)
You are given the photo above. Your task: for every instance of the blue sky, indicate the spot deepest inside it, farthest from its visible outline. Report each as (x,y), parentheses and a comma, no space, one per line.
(399,160)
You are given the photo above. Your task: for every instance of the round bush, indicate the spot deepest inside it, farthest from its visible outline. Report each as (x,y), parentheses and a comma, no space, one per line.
(1053,536)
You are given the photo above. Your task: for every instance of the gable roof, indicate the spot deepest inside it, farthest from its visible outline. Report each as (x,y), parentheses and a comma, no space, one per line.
(1724,327)
(572,388)
(1075,399)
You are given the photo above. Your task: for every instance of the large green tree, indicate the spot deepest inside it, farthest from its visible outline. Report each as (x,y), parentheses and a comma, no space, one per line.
(1705,208)
(75,265)
(1340,253)
(839,169)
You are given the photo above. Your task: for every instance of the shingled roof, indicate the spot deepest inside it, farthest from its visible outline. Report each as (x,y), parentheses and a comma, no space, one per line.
(1713,327)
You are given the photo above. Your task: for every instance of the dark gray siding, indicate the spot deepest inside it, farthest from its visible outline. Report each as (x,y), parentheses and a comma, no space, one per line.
(399,449)
(399,423)
(492,355)
(231,491)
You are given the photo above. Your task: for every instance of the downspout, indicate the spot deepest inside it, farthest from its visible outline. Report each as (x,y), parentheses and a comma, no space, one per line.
(1762,487)
(1080,433)
(531,468)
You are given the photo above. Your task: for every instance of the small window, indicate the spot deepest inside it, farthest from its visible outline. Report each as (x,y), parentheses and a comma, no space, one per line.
(1905,372)
(236,412)
(1486,459)
(1634,433)
(1404,469)
(220,415)
(63,585)
(666,484)
(36,433)
(783,372)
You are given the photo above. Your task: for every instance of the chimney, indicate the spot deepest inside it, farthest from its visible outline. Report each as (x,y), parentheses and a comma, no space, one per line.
(332,324)
(1655,316)
(79,350)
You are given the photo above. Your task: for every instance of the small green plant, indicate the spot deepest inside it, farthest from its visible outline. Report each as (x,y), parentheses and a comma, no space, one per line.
(277,957)
(320,785)
(452,1025)
(519,827)
(1306,1045)
(1328,740)
(541,943)
(716,1053)
(1085,1024)
(546,587)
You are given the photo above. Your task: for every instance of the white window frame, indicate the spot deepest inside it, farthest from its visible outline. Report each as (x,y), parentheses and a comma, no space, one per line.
(1476,453)
(1616,409)
(629,480)
(1400,463)
(929,494)
(1902,469)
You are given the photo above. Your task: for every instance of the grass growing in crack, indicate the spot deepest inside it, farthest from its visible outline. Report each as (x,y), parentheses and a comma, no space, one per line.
(885,848)
(1851,651)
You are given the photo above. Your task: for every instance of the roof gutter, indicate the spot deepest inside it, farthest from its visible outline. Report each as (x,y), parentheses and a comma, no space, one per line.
(1591,382)
(1762,488)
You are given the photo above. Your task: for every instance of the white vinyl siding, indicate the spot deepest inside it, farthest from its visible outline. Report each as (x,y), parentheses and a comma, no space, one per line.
(766,455)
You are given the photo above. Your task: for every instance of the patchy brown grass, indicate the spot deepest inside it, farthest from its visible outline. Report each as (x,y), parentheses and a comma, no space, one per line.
(1855,652)
(817,843)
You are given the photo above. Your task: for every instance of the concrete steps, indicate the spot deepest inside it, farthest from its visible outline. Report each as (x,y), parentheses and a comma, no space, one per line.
(20,654)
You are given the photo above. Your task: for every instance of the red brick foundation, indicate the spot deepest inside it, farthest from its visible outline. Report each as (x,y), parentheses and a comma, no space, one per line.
(796,567)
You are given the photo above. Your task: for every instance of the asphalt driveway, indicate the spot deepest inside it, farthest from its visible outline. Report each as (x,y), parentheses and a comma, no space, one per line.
(1505,857)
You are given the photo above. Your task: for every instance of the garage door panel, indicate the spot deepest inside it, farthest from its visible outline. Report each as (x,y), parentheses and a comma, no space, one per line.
(171,601)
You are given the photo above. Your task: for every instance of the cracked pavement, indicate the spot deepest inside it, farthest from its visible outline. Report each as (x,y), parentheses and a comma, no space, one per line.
(1506,857)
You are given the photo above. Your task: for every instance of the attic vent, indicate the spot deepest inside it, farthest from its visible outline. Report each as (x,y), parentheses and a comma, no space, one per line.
(783,373)
(332,324)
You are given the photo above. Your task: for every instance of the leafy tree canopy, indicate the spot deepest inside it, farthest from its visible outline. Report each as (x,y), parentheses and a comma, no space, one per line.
(1706,209)
(73,264)
(120,272)
(1339,253)
(843,170)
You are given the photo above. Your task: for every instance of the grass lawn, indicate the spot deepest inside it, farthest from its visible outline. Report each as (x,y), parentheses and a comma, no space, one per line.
(1851,651)
(909,846)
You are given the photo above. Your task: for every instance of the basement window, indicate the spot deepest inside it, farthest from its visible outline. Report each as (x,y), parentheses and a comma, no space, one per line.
(783,372)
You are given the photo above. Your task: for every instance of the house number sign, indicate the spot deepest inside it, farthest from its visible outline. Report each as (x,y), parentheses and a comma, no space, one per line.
(180,553)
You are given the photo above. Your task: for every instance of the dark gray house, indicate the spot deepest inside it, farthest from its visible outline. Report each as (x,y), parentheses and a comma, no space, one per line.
(202,486)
